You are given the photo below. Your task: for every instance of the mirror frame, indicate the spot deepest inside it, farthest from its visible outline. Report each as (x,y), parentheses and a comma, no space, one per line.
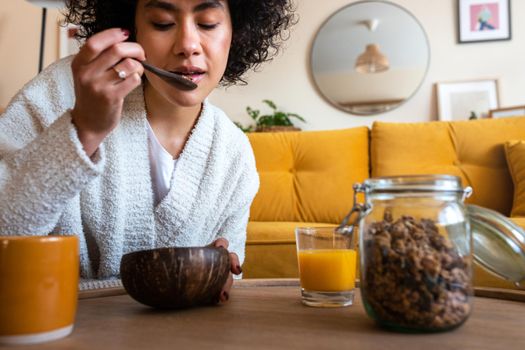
(338,106)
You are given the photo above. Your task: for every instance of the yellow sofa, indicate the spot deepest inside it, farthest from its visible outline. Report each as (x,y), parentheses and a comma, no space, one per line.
(307,177)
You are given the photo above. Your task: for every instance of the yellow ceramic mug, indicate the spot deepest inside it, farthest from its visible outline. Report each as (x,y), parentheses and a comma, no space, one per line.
(38,287)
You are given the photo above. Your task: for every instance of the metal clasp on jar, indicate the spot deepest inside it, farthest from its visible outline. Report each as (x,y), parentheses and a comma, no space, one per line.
(348,224)
(467,192)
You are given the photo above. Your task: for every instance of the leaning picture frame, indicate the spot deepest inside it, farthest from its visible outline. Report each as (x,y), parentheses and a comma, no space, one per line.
(465,100)
(483,20)
(515,111)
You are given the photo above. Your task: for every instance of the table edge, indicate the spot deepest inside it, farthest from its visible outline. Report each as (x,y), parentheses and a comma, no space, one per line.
(484,292)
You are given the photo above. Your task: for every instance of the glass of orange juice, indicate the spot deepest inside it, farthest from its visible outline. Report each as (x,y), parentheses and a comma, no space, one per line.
(327,266)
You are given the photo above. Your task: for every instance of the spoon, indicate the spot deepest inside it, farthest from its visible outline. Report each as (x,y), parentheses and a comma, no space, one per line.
(174,79)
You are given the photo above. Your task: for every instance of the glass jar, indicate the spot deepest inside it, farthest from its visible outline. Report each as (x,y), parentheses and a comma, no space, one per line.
(415,252)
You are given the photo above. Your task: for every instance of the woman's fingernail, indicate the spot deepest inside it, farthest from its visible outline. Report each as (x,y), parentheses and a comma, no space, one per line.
(239,268)
(125,32)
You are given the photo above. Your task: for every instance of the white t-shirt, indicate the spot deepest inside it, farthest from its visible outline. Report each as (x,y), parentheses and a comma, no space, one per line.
(162,166)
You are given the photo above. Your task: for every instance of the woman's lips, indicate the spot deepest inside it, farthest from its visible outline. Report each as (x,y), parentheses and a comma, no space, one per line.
(195,77)
(192,73)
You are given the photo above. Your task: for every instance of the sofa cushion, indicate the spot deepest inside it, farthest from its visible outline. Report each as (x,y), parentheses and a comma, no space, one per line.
(270,249)
(515,153)
(472,150)
(308,176)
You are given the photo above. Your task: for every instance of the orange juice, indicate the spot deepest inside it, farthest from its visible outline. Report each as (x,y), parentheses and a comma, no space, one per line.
(327,270)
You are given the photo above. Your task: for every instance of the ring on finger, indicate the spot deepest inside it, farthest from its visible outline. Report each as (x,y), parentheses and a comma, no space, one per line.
(121,73)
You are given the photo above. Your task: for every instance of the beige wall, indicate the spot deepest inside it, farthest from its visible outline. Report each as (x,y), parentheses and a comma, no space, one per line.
(287,79)
(20,24)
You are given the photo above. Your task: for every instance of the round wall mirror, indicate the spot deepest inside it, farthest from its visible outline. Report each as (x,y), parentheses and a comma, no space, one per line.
(370,57)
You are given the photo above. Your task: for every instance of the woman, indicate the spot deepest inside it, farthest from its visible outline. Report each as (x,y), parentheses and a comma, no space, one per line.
(98,147)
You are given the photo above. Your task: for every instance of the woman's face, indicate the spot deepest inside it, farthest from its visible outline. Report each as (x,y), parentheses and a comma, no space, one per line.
(191,37)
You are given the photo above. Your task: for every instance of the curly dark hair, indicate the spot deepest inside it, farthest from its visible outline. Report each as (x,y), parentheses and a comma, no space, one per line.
(259,28)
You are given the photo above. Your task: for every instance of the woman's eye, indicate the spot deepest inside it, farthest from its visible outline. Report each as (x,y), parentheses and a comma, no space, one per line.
(162,26)
(206,26)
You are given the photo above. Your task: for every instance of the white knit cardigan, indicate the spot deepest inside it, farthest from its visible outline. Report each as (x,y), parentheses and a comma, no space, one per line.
(49,185)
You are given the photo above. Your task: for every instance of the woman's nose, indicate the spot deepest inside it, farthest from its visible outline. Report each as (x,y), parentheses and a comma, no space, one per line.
(187,42)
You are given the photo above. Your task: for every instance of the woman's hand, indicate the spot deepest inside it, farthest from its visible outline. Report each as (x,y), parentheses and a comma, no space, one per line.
(105,71)
(235,268)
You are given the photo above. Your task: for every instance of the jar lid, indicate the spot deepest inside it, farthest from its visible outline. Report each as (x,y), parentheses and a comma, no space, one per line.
(414,183)
(499,244)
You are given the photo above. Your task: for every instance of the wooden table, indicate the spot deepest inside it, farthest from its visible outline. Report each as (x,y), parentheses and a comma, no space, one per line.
(267,314)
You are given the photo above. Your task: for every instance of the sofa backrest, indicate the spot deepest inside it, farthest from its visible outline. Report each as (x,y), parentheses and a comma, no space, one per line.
(308,176)
(472,150)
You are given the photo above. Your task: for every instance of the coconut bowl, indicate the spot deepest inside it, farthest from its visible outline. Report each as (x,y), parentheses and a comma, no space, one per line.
(175,278)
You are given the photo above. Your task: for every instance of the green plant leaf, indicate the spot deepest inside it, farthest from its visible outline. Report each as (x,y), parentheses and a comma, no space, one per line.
(277,117)
(245,129)
(297,116)
(253,113)
(270,104)
(280,118)
(266,120)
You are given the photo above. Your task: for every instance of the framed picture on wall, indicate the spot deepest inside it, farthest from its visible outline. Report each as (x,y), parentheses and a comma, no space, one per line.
(68,44)
(467,99)
(483,20)
(515,111)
